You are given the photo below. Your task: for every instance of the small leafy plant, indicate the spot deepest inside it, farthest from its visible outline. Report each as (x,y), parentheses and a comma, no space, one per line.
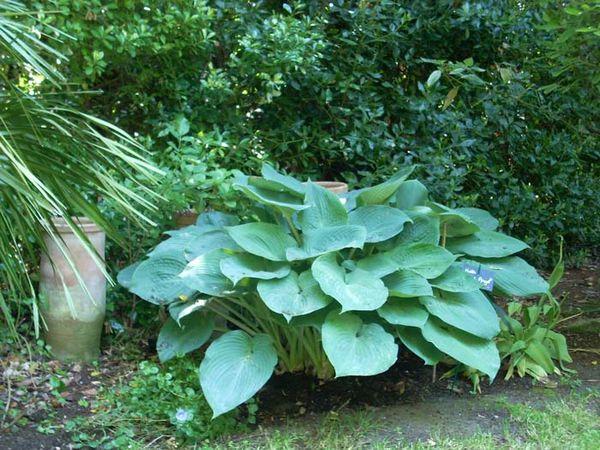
(331,285)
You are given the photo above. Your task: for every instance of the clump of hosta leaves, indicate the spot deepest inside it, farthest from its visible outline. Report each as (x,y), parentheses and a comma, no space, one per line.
(331,285)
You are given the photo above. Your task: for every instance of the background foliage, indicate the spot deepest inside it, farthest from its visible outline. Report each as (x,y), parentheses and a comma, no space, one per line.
(495,99)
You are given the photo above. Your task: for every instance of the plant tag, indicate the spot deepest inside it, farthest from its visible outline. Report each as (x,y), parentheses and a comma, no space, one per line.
(484,276)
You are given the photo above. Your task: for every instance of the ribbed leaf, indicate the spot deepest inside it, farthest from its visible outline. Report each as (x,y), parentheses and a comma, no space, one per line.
(405,311)
(203,274)
(157,281)
(481,217)
(411,193)
(357,290)
(244,265)
(325,240)
(356,348)
(381,222)
(190,334)
(290,183)
(455,279)
(282,200)
(325,209)
(414,341)
(381,193)
(513,276)
(486,244)
(454,222)
(423,229)
(235,367)
(293,295)
(470,350)
(467,311)
(406,283)
(267,240)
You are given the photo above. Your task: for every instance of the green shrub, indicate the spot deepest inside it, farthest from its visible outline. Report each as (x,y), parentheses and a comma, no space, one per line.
(323,284)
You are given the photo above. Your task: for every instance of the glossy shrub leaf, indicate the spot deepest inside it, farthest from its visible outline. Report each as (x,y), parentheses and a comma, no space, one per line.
(381,222)
(423,229)
(289,183)
(324,240)
(467,311)
(245,265)
(406,283)
(204,275)
(293,295)
(234,368)
(486,244)
(411,193)
(157,281)
(455,279)
(190,334)
(356,348)
(513,276)
(470,350)
(416,343)
(356,290)
(483,219)
(267,240)
(404,311)
(381,193)
(325,209)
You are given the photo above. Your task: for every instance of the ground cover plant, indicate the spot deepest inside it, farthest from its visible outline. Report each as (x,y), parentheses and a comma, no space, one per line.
(331,285)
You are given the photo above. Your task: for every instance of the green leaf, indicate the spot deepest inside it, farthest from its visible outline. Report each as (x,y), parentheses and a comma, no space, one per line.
(414,341)
(406,284)
(486,244)
(467,311)
(244,265)
(405,311)
(470,350)
(211,240)
(325,210)
(423,229)
(289,183)
(433,78)
(513,276)
(536,351)
(203,274)
(325,240)
(181,309)
(217,219)
(411,193)
(357,290)
(235,367)
(267,240)
(157,281)
(293,295)
(124,276)
(455,279)
(283,201)
(454,222)
(381,193)
(381,222)
(355,348)
(483,219)
(174,339)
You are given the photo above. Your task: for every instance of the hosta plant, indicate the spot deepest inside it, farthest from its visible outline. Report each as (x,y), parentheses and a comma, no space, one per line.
(331,285)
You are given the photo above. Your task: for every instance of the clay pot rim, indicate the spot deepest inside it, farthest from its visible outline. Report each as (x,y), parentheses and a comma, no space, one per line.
(85,224)
(339,187)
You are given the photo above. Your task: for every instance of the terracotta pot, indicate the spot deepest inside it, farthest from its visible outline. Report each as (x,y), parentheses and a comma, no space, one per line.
(185,218)
(337,187)
(73,325)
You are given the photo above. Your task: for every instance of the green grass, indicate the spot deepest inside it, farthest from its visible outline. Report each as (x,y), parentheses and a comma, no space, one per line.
(569,423)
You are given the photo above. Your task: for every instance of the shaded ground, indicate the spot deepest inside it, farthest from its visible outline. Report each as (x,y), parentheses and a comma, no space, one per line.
(39,396)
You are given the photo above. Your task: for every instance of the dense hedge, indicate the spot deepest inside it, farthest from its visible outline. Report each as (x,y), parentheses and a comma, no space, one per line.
(353,89)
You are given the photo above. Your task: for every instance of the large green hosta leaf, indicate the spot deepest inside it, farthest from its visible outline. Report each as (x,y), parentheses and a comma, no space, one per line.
(455,279)
(486,244)
(454,222)
(190,334)
(513,276)
(124,276)
(262,239)
(470,350)
(282,200)
(381,222)
(217,219)
(381,193)
(405,311)
(406,283)
(194,241)
(411,193)
(179,310)
(467,311)
(356,348)
(289,183)
(357,290)
(293,295)
(157,281)
(325,240)
(212,240)
(414,341)
(423,229)
(234,368)
(325,209)
(483,219)
(245,265)
(204,275)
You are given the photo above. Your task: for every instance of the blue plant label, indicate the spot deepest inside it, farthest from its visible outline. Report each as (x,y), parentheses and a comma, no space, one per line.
(484,276)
